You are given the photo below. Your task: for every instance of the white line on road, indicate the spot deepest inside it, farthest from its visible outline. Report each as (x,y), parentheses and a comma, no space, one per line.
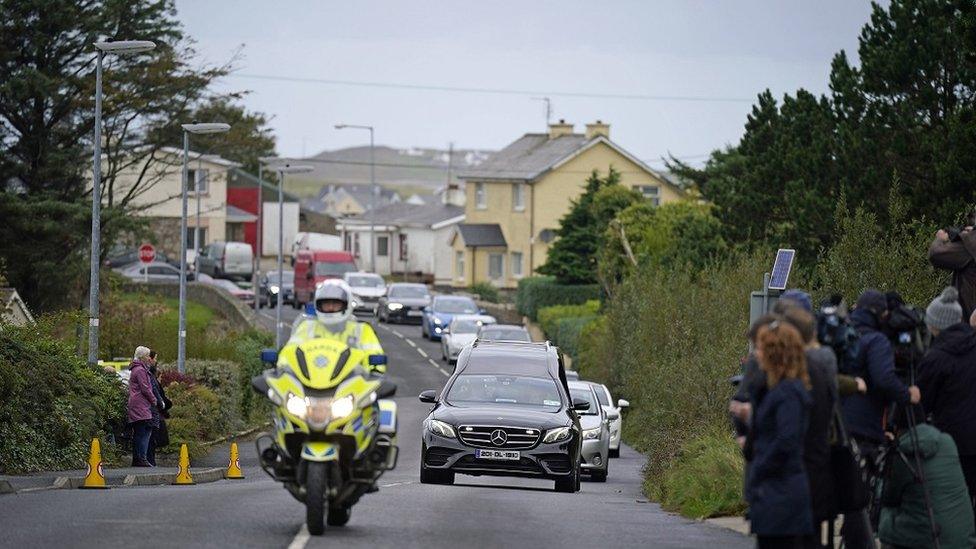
(395,484)
(301,538)
(398,334)
(432,363)
(411,343)
(422,352)
(443,371)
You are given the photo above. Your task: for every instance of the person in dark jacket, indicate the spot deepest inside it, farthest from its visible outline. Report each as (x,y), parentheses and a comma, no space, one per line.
(947,377)
(160,435)
(777,488)
(863,413)
(142,402)
(957,253)
(904,521)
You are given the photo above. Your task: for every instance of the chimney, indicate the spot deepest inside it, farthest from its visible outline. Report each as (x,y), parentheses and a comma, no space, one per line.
(560,129)
(597,128)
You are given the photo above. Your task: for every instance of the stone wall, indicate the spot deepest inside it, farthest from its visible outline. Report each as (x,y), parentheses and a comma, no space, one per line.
(240,316)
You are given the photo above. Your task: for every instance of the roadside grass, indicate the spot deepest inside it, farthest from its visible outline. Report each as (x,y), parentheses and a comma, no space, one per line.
(703,480)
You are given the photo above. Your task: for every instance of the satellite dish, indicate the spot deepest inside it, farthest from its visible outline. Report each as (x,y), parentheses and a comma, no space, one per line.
(547,235)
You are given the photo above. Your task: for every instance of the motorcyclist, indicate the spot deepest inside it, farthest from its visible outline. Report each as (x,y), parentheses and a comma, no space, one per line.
(334,320)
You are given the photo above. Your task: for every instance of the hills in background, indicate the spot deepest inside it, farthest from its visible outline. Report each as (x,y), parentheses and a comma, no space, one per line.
(407,171)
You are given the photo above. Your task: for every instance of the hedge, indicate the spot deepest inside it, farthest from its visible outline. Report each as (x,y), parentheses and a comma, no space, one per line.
(548,317)
(537,292)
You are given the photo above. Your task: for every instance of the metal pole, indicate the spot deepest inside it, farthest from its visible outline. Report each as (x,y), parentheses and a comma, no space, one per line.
(96,226)
(281,243)
(372,205)
(181,348)
(257,254)
(196,229)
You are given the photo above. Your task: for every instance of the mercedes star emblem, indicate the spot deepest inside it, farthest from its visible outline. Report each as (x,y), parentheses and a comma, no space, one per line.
(498,437)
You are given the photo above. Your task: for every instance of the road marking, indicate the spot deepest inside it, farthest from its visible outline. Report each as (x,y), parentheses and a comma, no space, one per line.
(443,371)
(411,343)
(422,352)
(432,363)
(395,484)
(301,538)
(396,333)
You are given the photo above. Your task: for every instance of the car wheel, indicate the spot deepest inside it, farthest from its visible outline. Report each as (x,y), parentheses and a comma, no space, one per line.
(569,484)
(614,453)
(599,475)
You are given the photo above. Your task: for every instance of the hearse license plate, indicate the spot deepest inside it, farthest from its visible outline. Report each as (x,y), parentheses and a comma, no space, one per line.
(498,454)
(414,313)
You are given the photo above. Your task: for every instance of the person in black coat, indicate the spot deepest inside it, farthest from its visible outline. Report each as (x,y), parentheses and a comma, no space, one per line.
(777,488)
(947,377)
(160,433)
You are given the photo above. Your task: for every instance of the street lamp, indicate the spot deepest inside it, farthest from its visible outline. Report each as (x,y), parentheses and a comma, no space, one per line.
(282,170)
(121,47)
(372,194)
(197,129)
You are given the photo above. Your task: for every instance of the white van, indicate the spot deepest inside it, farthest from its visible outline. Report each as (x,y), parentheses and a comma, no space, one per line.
(227,260)
(319,242)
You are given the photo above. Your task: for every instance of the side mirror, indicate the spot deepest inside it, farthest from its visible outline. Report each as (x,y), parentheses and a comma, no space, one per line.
(386,389)
(260,385)
(378,360)
(623,403)
(446,330)
(482,311)
(310,309)
(427,309)
(613,416)
(580,405)
(269,356)
(429,396)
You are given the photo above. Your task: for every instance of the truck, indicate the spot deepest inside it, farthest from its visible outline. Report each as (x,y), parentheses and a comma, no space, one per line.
(312,267)
(314,241)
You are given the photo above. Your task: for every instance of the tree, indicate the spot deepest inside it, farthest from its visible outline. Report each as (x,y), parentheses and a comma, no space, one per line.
(572,257)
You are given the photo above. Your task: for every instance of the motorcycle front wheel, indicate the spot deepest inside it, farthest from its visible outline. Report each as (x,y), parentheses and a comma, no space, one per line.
(316,502)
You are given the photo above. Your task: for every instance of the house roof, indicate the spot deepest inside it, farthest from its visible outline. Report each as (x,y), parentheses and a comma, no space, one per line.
(405,214)
(481,235)
(9,298)
(527,158)
(357,190)
(237,215)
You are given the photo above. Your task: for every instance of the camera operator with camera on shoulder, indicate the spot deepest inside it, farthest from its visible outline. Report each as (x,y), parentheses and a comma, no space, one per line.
(947,377)
(954,249)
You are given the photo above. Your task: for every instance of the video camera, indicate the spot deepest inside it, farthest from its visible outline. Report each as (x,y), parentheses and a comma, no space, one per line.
(956,232)
(909,335)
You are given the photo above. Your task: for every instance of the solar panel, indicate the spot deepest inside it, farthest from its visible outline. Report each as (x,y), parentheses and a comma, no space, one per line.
(781,269)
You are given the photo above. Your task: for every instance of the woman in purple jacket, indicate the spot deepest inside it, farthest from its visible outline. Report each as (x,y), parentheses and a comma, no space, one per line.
(142,401)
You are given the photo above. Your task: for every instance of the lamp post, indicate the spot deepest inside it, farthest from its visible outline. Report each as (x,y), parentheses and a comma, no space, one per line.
(282,170)
(198,129)
(121,47)
(372,193)
(257,254)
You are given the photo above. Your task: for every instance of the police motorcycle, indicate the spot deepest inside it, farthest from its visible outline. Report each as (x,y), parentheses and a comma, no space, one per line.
(334,431)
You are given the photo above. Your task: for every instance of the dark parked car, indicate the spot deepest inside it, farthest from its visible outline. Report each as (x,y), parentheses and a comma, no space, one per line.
(440,312)
(504,332)
(506,411)
(269,287)
(403,302)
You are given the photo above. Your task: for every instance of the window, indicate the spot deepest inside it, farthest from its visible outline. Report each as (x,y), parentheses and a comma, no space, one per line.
(518,197)
(650,192)
(355,244)
(403,247)
(496,266)
(347,242)
(516,264)
(459,264)
(197,181)
(382,246)
(480,197)
(190,238)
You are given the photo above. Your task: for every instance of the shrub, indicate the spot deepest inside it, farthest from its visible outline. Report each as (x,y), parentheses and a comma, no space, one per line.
(51,402)
(170,375)
(549,316)
(247,350)
(485,292)
(704,479)
(223,377)
(195,418)
(568,332)
(535,293)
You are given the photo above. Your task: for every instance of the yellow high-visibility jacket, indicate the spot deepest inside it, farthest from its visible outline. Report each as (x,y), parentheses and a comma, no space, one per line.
(358,335)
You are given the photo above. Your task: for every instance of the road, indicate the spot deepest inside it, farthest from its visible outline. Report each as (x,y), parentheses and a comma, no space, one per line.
(256,512)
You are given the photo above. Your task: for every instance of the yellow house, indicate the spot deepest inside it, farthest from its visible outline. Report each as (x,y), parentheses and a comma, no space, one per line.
(515,199)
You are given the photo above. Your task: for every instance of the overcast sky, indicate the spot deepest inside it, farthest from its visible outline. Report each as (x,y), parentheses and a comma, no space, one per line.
(722,51)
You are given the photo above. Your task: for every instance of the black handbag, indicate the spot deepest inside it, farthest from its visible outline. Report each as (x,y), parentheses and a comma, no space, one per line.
(162,434)
(850,488)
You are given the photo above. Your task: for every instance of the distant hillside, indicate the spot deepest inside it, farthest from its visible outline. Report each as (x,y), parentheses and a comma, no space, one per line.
(407,170)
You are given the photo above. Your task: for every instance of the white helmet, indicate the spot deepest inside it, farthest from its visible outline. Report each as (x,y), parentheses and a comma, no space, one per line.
(334,289)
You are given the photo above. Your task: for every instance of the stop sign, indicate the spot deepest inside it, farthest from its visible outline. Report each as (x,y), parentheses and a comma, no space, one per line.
(147,253)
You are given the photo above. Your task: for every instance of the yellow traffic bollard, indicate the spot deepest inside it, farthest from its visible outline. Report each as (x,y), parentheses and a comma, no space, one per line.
(234,467)
(94,478)
(183,475)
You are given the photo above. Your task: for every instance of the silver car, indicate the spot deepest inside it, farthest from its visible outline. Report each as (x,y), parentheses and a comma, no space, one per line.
(368,288)
(462,331)
(595,425)
(614,413)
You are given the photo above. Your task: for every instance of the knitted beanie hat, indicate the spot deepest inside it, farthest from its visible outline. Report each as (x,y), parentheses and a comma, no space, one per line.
(945,310)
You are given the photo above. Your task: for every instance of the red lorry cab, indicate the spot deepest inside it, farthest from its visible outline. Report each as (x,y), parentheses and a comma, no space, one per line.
(314,266)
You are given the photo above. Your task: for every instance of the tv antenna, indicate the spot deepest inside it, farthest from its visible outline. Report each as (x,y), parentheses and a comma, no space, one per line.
(548,107)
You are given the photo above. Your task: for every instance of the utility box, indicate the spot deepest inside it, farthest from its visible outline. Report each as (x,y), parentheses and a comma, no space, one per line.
(761,303)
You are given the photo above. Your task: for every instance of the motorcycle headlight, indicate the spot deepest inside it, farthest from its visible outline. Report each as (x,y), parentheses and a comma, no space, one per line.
(590,434)
(394,306)
(558,434)
(342,407)
(318,412)
(296,405)
(440,428)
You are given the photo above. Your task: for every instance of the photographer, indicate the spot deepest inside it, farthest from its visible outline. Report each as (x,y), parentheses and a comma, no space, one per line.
(954,249)
(947,377)
(863,413)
